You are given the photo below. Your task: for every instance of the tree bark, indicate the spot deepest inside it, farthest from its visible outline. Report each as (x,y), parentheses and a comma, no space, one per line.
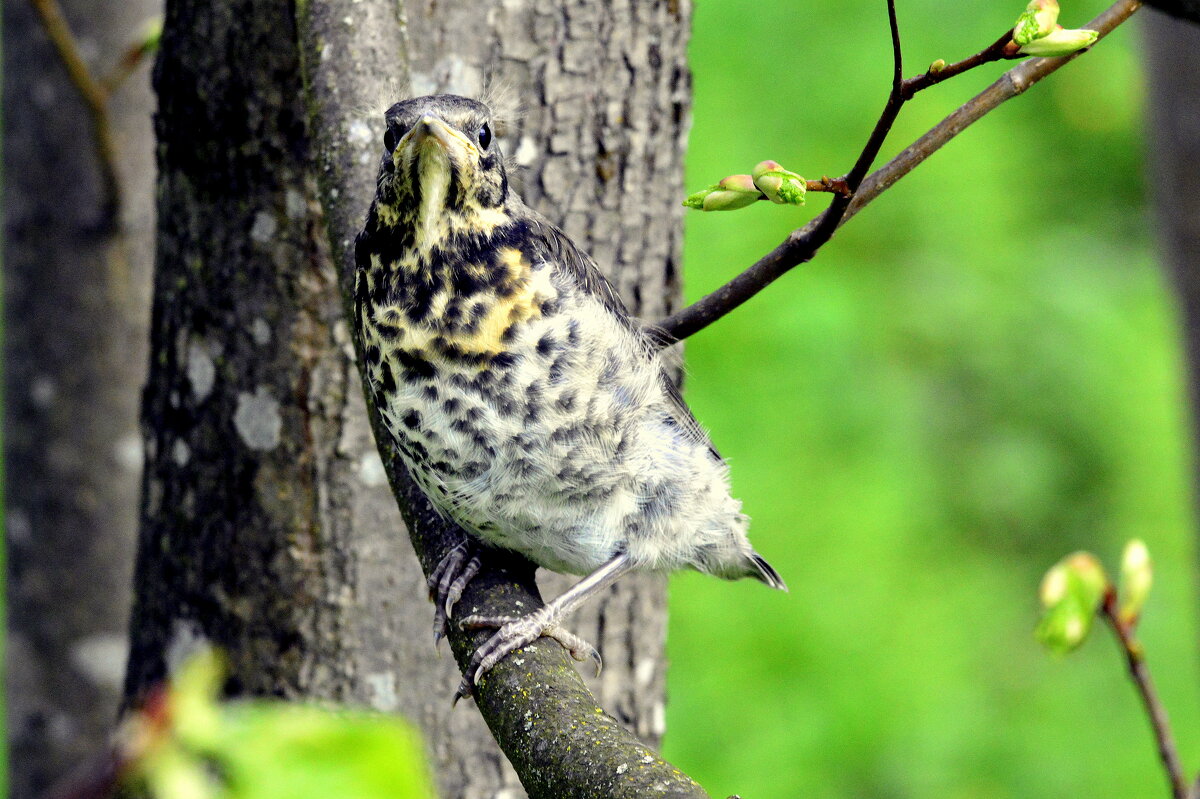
(76,313)
(267,524)
(1184,9)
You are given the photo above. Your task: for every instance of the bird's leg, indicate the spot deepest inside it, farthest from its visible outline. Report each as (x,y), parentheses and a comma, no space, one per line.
(517,631)
(454,571)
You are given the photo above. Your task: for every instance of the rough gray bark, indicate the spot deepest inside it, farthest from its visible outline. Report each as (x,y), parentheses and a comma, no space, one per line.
(76,312)
(268,527)
(1173,57)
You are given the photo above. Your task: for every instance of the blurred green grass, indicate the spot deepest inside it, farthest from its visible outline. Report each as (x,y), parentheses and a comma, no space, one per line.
(980,374)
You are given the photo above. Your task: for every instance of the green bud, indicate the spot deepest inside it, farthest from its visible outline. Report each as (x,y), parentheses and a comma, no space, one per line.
(1060,42)
(733,192)
(1137,575)
(1038,20)
(696,199)
(937,66)
(1071,592)
(778,184)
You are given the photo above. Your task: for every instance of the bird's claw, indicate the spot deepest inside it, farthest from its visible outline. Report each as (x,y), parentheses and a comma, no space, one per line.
(513,633)
(447,582)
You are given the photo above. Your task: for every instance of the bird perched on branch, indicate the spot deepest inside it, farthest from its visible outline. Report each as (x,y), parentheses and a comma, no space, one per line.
(524,400)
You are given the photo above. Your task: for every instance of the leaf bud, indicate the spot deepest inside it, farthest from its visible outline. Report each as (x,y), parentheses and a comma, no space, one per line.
(1137,575)
(733,192)
(1037,20)
(1060,42)
(778,184)
(1071,592)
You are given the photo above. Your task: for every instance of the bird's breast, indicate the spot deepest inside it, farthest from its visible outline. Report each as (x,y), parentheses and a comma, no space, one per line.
(471,312)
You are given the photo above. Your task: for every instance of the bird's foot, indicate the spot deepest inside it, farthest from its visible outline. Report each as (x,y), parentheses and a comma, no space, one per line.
(513,633)
(453,573)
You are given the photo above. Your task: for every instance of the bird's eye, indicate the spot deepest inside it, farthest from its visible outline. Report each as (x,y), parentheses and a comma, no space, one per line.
(484,135)
(392,137)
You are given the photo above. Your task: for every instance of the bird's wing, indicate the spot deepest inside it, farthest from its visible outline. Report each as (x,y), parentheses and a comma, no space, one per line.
(564,254)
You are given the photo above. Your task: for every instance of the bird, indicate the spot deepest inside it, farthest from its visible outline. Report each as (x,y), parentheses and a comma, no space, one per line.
(523,398)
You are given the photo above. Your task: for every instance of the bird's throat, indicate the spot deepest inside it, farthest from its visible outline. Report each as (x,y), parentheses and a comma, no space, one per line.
(434,175)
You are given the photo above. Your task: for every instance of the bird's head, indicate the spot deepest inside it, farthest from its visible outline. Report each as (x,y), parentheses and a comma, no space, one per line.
(441,162)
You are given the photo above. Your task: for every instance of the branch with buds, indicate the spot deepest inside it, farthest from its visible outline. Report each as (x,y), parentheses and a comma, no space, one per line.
(768,181)
(1040,35)
(1074,593)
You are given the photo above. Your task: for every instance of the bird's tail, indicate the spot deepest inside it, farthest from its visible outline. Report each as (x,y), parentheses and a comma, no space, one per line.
(764,571)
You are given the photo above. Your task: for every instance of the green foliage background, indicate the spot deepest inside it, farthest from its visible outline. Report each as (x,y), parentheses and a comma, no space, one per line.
(980,374)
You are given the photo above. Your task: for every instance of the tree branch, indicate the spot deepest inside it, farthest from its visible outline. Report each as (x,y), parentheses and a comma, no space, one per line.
(561,743)
(95,97)
(1135,659)
(801,245)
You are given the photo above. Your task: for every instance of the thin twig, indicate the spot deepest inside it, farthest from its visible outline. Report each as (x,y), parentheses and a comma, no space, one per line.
(824,183)
(130,60)
(801,245)
(1135,658)
(995,51)
(95,97)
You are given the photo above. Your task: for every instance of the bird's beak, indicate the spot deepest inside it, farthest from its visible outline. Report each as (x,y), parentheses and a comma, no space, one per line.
(432,129)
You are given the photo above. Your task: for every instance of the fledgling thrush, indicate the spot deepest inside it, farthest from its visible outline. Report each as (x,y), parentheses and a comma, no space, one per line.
(522,397)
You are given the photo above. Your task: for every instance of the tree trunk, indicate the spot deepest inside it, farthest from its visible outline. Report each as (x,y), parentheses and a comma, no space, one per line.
(268,527)
(1173,50)
(76,312)
(1184,9)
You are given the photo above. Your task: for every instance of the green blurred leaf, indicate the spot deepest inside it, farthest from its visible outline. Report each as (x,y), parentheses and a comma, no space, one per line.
(274,749)
(186,745)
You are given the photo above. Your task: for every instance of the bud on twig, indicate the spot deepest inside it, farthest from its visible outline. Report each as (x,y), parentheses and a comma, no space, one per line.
(936,66)
(1137,574)
(1060,42)
(1071,592)
(1038,20)
(780,185)
(733,192)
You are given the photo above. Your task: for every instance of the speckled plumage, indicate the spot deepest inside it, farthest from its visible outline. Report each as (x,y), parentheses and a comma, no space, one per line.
(529,407)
